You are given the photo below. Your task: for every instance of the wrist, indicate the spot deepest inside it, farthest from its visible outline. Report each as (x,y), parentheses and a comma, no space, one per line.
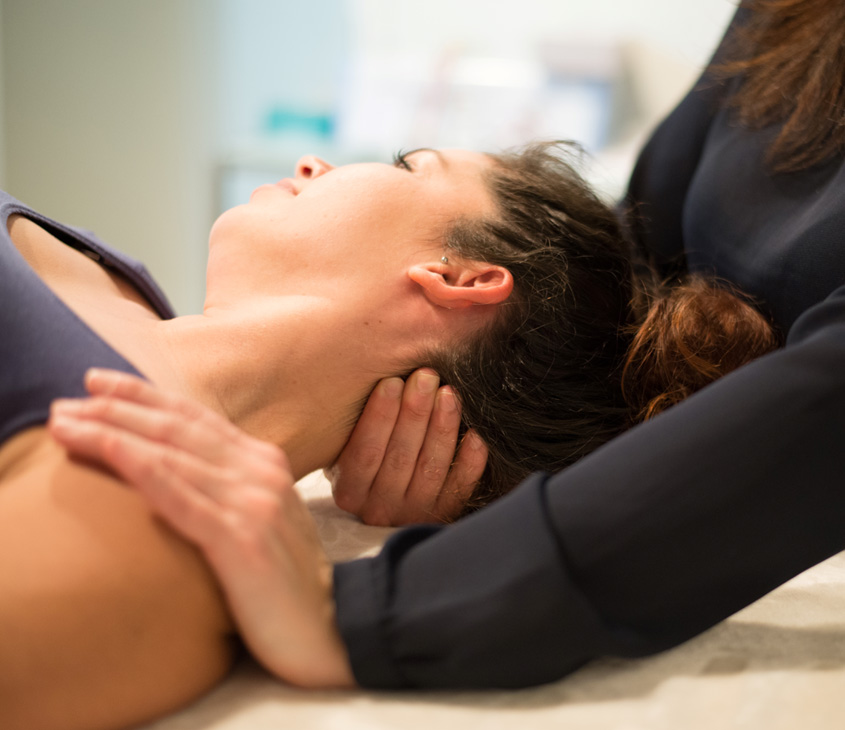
(319,662)
(315,655)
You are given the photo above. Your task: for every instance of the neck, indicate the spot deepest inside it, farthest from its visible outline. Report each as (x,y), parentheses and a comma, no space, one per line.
(281,371)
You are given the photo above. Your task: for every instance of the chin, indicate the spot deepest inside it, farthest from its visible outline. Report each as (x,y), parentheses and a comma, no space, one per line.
(225,225)
(224,246)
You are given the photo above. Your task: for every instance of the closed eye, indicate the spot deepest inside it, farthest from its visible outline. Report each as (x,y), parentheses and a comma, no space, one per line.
(400,160)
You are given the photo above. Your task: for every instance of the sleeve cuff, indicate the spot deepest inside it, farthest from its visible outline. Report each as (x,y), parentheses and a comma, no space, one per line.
(361,588)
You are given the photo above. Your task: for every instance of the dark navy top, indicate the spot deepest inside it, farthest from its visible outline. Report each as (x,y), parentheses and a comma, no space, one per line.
(45,348)
(682,520)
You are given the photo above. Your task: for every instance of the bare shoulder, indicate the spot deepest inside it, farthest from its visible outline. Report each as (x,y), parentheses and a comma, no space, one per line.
(108,618)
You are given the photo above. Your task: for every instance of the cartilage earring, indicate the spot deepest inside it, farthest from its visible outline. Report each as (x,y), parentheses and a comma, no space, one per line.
(444,260)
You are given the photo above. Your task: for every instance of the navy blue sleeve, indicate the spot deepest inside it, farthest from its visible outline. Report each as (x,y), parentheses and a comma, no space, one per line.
(477,604)
(655,537)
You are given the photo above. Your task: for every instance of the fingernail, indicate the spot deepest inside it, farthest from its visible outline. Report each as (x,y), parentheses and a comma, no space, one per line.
(98,377)
(94,374)
(427,381)
(446,400)
(65,405)
(392,387)
(61,425)
(475,441)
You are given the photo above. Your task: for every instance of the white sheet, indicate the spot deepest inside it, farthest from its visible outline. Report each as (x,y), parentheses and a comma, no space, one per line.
(777,665)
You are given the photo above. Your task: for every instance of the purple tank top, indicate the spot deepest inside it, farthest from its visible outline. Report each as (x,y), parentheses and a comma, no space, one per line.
(45,348)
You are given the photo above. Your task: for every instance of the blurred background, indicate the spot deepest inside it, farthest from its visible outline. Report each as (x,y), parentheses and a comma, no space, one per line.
(143,119)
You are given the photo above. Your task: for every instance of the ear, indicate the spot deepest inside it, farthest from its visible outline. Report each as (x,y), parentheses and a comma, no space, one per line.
(457,284)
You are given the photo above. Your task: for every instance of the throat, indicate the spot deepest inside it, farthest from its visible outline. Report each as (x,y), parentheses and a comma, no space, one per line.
(277,372)
(309,418)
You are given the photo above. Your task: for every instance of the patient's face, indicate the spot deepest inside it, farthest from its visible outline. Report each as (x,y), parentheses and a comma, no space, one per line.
(357,221)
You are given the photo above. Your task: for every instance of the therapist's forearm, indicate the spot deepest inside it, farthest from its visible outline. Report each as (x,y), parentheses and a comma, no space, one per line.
(640,546)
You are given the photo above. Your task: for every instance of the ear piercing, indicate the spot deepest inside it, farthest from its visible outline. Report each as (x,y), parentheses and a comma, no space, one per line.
(444,260)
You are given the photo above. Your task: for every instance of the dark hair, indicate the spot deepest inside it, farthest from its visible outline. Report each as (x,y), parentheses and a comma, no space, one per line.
(585,346)
(789,56)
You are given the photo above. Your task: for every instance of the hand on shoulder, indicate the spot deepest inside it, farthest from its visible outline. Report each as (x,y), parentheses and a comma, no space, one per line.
(233,497)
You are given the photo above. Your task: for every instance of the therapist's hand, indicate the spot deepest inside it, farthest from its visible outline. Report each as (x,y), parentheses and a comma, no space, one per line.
(399,465)
(232,496)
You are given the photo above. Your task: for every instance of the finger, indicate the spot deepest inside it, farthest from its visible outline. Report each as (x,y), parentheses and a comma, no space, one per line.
(144,464)
(353,473)
(155,471)
(167,427)
(118,385)
(435,459)
(463,478)
(385,501)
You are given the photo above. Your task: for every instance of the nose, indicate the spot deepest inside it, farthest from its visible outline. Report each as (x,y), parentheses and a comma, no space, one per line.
(310,167)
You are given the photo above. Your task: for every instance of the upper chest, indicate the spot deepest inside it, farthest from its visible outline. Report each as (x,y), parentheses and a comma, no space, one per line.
(94,292)
(63,312)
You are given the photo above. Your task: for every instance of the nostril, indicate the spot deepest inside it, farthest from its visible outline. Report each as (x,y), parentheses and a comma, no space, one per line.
(305,167)
(310,167)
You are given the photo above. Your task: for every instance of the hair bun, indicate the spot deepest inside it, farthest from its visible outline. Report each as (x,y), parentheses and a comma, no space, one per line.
(693,334)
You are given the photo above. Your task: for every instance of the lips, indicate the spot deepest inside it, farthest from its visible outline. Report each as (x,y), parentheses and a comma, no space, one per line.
(287,184)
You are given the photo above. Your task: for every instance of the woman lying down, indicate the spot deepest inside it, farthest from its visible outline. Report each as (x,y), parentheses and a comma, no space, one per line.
(503,273)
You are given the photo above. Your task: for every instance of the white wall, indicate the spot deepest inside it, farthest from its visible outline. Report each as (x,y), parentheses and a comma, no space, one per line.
(2,115)
(688,28)
(669,41)
(107,125)
(277,55)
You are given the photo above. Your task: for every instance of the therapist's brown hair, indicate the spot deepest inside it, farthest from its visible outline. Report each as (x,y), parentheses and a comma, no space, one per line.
(788,62)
